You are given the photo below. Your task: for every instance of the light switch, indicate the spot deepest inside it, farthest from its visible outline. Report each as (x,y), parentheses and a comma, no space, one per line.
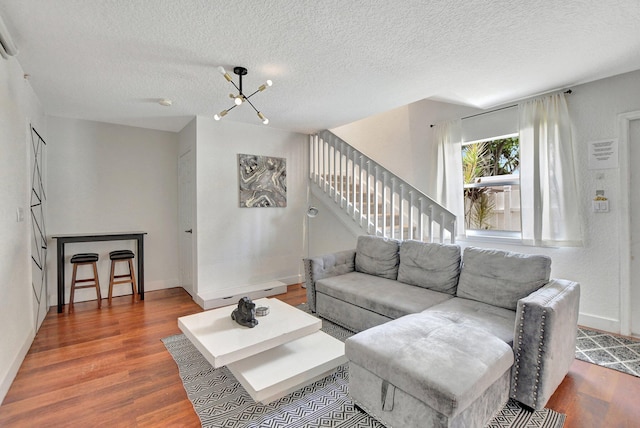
(600,206)
(600,203)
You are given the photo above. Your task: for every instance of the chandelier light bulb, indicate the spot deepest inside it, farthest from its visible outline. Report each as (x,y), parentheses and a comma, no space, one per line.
(263,118)
(238,100)
(220,115)
(224,73)
(265,86)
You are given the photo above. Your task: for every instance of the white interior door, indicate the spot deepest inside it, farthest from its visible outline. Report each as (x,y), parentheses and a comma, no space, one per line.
(185,220)
(634,203)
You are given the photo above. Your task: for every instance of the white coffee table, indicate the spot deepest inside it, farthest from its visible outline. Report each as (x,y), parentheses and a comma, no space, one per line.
(284,352)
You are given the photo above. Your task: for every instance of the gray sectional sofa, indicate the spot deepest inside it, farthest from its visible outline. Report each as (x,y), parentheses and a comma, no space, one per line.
(445,338)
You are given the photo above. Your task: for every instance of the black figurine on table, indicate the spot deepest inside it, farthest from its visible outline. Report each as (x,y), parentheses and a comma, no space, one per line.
(245,313)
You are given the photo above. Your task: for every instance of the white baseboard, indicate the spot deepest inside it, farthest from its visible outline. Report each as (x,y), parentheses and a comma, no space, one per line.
(230,296)
(295,279)
(6,382)
(599,323)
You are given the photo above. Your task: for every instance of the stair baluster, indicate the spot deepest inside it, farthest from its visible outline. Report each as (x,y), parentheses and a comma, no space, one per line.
(352,182)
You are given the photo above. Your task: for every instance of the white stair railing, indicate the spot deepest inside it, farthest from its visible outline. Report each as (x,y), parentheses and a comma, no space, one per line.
(378,201)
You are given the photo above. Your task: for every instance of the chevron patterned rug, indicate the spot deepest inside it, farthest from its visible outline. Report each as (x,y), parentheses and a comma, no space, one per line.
(609,350)
(220,400)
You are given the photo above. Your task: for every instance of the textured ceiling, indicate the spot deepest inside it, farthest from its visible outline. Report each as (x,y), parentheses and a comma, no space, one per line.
(332,61)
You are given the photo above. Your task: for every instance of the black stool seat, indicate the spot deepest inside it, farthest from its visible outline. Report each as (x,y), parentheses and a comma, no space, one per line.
(84,258)
(93,282)
(125,256)
(121,255)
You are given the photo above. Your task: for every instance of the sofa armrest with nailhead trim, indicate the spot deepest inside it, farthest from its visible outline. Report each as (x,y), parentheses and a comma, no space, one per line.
(544,341)
(326,266)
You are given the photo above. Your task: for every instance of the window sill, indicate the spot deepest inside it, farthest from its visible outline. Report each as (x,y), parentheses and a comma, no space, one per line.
(495,239)
(508,238)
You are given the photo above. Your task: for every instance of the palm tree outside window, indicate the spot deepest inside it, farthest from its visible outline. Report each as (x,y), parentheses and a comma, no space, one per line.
(491,179)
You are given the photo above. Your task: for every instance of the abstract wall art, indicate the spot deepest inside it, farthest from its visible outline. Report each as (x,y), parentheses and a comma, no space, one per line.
(263,181)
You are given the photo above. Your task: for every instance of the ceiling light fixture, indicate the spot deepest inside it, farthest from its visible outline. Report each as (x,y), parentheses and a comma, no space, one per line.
(165,102)
(240,97)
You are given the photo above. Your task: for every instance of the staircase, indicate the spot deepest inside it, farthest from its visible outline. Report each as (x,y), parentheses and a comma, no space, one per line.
(377,201)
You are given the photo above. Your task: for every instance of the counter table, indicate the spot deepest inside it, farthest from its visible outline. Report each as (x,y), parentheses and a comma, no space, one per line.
(95,237)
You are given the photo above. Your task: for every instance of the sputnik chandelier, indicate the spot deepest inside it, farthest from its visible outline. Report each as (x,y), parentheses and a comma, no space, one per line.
(241,97)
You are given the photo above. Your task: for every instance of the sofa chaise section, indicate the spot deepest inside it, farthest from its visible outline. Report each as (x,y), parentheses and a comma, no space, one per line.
(498,321)
(434,370)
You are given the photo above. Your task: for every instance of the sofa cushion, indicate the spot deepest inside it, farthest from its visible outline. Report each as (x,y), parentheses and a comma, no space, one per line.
(378,256)
(499,322)
(501,278)
(434,266)
(383,296)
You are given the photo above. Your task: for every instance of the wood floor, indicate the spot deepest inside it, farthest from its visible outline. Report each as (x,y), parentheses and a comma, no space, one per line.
(108,367)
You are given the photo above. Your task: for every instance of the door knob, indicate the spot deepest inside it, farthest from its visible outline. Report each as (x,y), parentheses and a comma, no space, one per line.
(189,231)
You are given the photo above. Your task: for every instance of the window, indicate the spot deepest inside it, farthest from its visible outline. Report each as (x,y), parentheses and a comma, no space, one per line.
(490,201)
(491,178)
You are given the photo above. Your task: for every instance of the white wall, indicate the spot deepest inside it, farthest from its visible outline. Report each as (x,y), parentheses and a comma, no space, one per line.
(403,138)
(18,108)
(246,246)
(113,178)
(328,234)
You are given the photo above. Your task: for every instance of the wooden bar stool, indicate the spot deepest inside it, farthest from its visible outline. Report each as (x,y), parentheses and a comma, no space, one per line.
(122,256)
(85,259)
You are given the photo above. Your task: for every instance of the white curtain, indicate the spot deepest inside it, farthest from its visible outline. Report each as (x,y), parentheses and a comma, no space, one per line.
(449,169)
(549,200)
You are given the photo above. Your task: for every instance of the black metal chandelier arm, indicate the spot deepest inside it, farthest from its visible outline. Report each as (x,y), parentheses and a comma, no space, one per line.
(251,104)
(236,86)
(254,92)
